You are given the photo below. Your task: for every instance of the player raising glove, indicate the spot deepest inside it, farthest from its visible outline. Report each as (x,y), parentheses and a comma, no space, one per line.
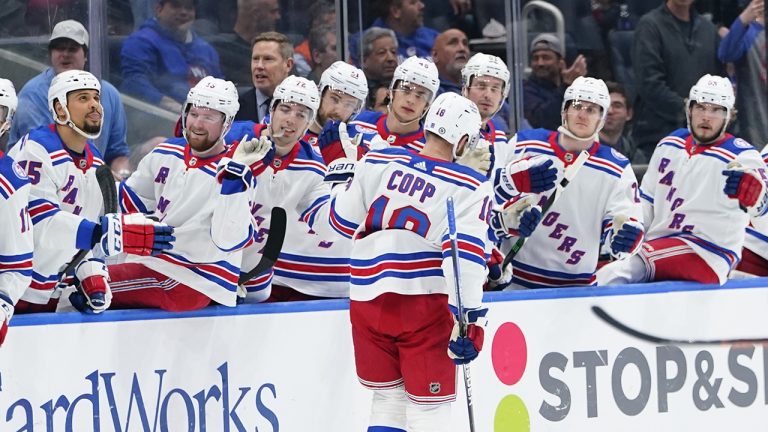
(465,345)
(343,168)
(479,158)
(748,186)
(517,218)
(132,233)
(627,236)
(335,143)
(93,294)
(525,175)
(256,153)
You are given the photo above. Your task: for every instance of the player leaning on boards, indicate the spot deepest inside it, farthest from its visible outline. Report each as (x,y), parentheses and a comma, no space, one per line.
(701,187)
(401,271)
(191,184)
(754,256)
(563,249)
(65,198)
(15,224)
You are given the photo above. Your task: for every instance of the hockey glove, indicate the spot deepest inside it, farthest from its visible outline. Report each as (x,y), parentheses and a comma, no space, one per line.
(479,158)
(334,143)
(339,171)
(256,153)
(233,176)
(518,217)
(93,294)
(464,349)
(6,312)
(525,175)
(627,236)
(748,186)
(498,278)
(132,233)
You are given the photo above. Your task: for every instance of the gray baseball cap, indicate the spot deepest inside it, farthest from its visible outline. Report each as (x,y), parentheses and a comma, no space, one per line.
(547,41)
(70,29)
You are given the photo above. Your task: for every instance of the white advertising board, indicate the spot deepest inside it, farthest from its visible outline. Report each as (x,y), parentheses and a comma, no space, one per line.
(548,365)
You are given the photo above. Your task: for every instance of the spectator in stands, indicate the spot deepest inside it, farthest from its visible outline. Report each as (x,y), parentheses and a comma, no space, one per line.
(271,63)
(378,99)
(322,43)
(673,47)
(253,18)
(164,58)
(744,45)
(68,50)
(379,56)
(450,53)
(406,19)
(614,131)
(322,13)
(543,91)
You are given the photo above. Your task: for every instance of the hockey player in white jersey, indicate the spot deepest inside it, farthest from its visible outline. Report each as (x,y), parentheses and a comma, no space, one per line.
(402,277)
(294,180)
(754,256)
(698,179)
(65,199)
(343,90)
(485,81)
(16,241)
(191,184)
(563,249)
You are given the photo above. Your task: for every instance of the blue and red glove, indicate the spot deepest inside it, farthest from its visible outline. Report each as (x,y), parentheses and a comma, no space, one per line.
(132,233)
(534,174)
(498,278)
(6,312)
(233,176)
(93,294)
(628,234)
(330,143)
(748,188)
(464,349)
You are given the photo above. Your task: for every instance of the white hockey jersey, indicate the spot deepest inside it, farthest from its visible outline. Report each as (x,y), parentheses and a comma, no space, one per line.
(16,242)
(395,209)
(683,197)
(757,232)
(564,248)
(211,226)
(64,200)
(376,136)
(314,259)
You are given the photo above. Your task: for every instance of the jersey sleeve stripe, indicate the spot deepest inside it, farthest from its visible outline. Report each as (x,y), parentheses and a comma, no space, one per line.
(41,209)
(339,224)
(130,201)
(308,216)
(221,272)
(645,196)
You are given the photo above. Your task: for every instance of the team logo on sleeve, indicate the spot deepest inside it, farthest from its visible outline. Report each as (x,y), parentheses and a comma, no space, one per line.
(740,143)
(617,154)
(19,171)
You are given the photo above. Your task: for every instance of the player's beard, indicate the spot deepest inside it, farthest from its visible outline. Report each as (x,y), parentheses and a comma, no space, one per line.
(707,138)
(91,128)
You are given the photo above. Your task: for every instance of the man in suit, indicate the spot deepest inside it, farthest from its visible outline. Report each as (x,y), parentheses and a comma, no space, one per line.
(271,63)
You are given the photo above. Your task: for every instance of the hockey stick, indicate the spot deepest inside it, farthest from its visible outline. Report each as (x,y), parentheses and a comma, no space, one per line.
(568,176)
(453,236)
(613,322)
(106,183)
(277,223)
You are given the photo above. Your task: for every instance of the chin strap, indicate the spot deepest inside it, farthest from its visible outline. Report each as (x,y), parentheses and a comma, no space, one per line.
(565,131)
(68,122)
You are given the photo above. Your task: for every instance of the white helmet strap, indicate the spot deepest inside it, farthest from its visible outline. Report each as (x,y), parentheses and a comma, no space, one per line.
(68,122)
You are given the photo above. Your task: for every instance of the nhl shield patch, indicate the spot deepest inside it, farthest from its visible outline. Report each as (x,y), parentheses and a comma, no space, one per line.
(434,387)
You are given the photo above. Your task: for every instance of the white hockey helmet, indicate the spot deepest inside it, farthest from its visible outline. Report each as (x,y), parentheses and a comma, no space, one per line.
(295,89)
(216,94)
(62,85)
(7,99)
(590,90)
(452,117)
(714,90)
(485,65)
(347,79)
(419,71)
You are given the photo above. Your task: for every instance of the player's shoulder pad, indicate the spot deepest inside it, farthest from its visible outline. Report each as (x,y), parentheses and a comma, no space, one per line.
(365,122)
(674,137)
(610,154)
(46,137)
(533,135)
(13,172)
(737,145)
(306,152)
(174,144)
